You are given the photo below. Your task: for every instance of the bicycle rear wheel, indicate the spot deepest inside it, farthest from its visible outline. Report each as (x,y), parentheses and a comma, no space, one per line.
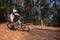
(10,26)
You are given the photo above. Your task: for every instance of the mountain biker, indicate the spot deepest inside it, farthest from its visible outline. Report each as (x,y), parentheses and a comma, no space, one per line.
(13,16)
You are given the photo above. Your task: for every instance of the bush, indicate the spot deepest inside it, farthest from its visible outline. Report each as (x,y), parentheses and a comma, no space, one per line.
(48,22)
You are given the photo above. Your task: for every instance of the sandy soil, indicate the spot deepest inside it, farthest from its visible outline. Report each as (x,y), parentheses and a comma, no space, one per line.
(35,33)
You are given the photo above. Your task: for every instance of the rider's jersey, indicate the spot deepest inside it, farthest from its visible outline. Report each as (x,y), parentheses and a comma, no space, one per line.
(12,16)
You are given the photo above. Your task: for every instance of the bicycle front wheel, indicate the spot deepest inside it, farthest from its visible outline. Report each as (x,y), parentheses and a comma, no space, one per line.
(25,27)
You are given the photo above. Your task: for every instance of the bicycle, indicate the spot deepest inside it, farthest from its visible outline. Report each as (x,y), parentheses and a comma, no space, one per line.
(18,25)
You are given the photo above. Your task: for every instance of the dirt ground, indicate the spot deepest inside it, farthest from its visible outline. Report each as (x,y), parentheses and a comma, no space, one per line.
(35,33)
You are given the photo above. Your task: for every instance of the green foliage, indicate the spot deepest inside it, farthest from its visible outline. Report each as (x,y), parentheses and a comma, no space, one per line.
(34,15)
(49,22)
(19,2)
(46,20)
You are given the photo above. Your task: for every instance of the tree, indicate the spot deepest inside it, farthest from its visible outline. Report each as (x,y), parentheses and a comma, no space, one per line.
(29,6)
(42,9)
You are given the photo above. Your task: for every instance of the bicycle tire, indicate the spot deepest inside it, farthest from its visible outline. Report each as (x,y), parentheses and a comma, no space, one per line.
(25,27)
(10,27)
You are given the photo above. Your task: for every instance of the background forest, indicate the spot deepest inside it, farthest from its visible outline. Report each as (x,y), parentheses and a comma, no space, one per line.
(37,12)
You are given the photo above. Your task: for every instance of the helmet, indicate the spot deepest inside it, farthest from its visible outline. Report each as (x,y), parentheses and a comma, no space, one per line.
(14,10)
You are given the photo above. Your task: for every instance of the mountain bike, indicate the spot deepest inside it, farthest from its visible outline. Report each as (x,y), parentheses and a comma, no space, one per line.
(18,25)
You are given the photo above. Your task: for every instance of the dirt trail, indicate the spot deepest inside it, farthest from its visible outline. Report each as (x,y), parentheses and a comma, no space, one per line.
(36,33)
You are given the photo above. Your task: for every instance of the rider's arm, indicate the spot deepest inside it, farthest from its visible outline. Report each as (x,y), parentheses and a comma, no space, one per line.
(17,14)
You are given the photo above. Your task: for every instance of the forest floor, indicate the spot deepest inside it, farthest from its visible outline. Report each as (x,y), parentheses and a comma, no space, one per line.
(35,33)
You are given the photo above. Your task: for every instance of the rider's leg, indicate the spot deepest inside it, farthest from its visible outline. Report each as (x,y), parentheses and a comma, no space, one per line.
(19,22)
(15,24)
